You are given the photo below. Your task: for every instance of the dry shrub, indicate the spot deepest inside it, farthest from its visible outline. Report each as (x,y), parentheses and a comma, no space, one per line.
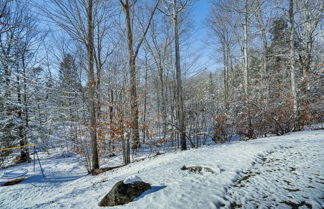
(221,126)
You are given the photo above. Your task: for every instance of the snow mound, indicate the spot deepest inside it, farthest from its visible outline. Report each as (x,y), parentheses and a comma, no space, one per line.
(132,179)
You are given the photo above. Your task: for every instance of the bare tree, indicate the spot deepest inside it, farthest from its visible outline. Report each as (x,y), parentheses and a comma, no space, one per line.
(173,9)
(127,6)
(102,50)
(292,61)
(158,49)
(311,15)
(4,25)
(220,24)
(259,14)
(77,18)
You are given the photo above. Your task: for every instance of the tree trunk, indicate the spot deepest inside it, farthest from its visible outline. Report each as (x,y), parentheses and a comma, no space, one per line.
(92,87)
(24,156)
(292,63)
(133,92)
(26,111)
(145,102)
(246,70)
(111,118)
(307,68)
(179,98)
(225,61)
(7,93)
(246,61)
(264,74)
(100,133)
(163,105)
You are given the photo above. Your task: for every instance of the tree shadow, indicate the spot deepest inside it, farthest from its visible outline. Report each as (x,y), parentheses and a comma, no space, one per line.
(51,179)
(152,190)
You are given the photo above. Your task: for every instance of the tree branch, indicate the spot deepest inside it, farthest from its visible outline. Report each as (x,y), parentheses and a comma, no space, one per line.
(146,29)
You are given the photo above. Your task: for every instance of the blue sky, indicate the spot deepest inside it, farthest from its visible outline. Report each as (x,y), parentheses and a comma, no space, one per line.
(200,12)
(197,43)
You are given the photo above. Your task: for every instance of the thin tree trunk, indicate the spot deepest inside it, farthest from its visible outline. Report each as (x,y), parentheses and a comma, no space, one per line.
(26,111)
(163,106)
(264,74)
(7,91)
(145,102)
(246,70)
(111,117)
(22,129)
(132,66)
(225,61)
(307,69)
(292,63)
(101,136)
(24,154)
(124,134)
(179,98)
(246,61)
(227,72)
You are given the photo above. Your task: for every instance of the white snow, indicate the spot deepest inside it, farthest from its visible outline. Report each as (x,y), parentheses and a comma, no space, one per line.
(268,172)
(132,179)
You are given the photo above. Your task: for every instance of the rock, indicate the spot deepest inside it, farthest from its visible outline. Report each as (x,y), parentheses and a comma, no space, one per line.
(132,179)
(122,193)
(112,155)
(197,169)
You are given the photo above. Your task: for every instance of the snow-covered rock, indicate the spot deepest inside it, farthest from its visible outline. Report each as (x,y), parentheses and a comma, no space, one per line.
(132,179)
(122,193)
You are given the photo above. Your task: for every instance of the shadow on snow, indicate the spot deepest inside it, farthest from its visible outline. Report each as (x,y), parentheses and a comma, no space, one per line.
(150,191)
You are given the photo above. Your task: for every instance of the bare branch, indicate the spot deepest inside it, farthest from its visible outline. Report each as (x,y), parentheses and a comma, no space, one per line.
(146,29)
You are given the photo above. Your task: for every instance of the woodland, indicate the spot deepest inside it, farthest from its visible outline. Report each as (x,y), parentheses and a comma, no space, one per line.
(116,77)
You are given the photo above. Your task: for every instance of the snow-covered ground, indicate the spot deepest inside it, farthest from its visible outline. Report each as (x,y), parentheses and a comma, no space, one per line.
(277,172)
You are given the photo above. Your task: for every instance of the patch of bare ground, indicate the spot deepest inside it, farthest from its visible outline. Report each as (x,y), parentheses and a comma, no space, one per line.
(96,172)
(13,182)
(297,205)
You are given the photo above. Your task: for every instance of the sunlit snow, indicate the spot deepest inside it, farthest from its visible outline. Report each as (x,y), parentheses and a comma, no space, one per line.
(267,172)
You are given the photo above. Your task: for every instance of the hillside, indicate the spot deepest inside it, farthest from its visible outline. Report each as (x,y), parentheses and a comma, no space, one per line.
(280,172)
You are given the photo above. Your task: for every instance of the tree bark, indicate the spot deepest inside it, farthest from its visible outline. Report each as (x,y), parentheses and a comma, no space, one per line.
(179,92)
(163,105)
(99,65)
(111,119)
(264,74)
(246,61)
(292,62)
(145,101)
(225,61)
(24,156)
(92,87)
(134,135)
(132,67)
(246,70)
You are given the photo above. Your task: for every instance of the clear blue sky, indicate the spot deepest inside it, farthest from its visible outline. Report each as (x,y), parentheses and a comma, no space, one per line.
(198,40)
(200,12)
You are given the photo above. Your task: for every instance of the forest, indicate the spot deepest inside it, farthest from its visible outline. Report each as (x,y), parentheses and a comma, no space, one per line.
(102,78)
